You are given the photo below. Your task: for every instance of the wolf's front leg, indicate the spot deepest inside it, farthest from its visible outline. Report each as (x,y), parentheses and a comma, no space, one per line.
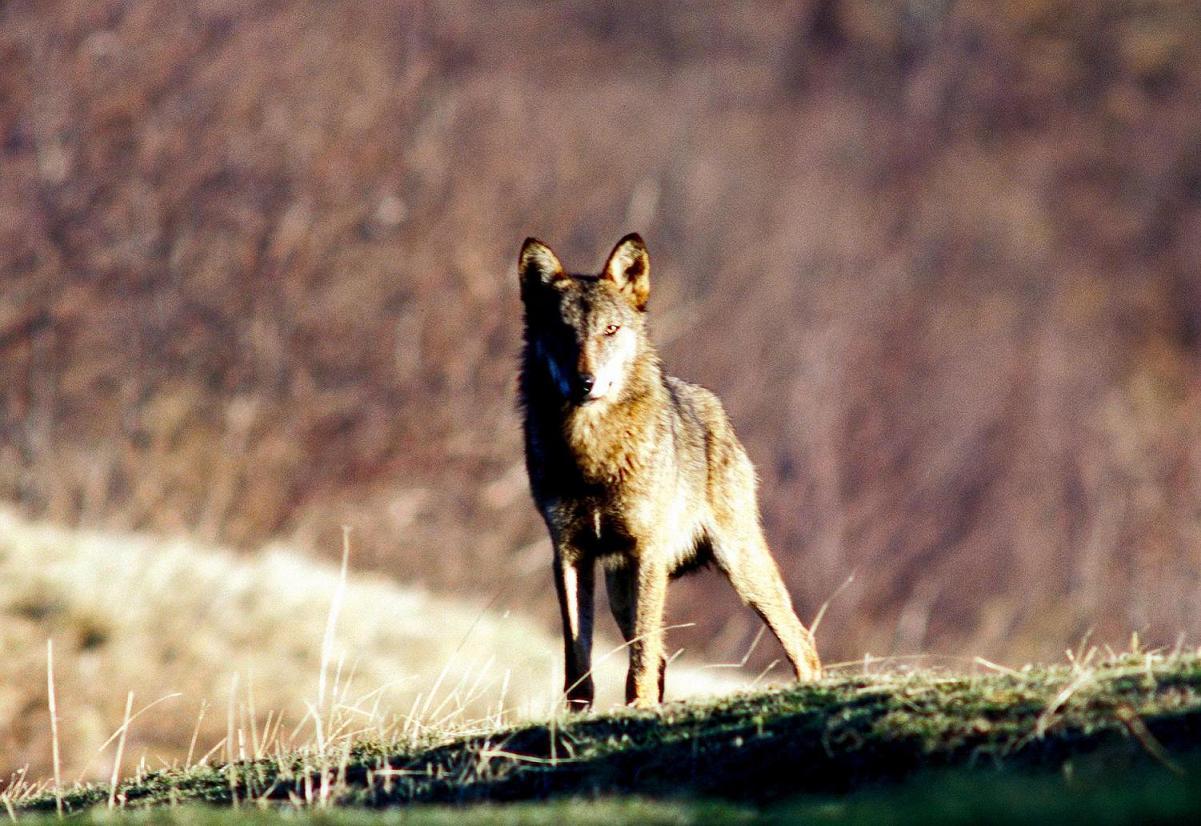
(646,649)
(620,584)
(574,582)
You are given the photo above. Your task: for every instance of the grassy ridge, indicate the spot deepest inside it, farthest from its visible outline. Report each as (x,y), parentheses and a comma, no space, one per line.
(1140,714)
(1145,795)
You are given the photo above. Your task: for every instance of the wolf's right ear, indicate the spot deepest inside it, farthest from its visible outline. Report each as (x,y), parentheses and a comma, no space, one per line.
(538,265)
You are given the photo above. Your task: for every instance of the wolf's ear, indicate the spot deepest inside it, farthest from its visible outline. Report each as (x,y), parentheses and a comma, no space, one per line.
(629,267)
(538,265)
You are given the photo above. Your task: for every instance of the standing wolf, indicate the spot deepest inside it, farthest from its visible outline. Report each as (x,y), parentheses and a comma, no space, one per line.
(634,469)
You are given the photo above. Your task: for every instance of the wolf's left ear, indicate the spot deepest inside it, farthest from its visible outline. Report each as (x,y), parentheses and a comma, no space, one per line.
(629,267)
(538,264)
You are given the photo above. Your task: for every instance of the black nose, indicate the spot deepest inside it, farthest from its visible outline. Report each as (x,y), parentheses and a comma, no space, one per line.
(587,380)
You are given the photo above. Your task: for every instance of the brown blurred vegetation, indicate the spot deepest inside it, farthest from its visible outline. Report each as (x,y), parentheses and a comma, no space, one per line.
(941,260)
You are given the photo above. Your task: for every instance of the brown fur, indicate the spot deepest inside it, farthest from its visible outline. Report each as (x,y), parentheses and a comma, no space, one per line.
(634,469)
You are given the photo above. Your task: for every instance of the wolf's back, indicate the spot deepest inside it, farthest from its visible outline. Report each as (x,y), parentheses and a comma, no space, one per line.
(708,453)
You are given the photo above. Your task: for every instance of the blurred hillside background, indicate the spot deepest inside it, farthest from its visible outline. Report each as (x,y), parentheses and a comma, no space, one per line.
(941,260)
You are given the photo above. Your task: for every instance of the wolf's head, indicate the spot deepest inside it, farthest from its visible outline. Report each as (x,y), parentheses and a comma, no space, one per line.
(585,331)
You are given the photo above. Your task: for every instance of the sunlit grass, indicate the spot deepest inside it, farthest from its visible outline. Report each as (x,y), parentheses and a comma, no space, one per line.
(461,738)
(1098,716)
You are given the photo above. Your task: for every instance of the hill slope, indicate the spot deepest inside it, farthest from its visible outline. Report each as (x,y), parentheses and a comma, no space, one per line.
(838,736)
(176,620)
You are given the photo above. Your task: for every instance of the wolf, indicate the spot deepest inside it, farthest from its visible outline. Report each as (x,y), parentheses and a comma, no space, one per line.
(632,469)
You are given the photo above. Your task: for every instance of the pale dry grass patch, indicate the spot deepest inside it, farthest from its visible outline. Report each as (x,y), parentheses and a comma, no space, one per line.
(249,656)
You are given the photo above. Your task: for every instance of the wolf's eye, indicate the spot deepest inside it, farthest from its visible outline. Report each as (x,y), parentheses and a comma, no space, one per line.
(611,329)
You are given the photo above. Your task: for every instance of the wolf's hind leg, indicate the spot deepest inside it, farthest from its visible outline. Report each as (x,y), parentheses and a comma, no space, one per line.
(620,585)
(748,564)
(646,647)
(574,581)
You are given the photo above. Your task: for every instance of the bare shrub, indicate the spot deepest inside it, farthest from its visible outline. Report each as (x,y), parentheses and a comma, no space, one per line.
(940,260)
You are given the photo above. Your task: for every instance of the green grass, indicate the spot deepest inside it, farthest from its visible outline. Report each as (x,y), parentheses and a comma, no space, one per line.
(1147,795)
(1107,743)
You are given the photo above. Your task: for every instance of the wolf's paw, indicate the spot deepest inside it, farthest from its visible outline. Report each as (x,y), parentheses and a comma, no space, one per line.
(809,672)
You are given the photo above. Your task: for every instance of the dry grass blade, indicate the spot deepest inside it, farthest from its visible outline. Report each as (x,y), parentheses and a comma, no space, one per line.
(746,654)
(1047,718)
(230,754)
(58,780)
(821,612)
(1138,729)
(995,666)
(331,622)
(121,731)
(195,734)
(112,793)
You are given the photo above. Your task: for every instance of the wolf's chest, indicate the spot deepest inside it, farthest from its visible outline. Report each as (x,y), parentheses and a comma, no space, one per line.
(596,531)
(607,450)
